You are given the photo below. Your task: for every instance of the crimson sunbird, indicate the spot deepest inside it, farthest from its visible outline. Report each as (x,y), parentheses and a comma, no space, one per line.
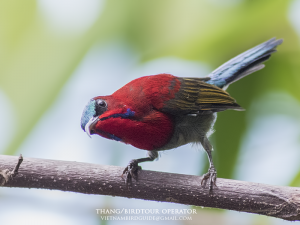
(162,112)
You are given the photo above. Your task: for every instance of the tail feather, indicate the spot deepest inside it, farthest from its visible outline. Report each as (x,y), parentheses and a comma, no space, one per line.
(244,64)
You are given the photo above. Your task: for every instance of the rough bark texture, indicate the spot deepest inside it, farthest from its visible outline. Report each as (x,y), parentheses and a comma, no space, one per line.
(275,201)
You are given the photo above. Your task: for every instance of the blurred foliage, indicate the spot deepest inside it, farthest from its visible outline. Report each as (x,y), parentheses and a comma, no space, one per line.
(35,63)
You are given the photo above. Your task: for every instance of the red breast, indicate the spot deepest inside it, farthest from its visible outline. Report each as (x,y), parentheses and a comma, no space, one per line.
(148,128)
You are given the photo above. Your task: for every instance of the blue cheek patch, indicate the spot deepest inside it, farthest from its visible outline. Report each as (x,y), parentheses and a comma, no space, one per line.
(126,115)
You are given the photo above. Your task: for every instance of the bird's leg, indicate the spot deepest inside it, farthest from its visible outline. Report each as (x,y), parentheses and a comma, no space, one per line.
(131,170)
(211,175)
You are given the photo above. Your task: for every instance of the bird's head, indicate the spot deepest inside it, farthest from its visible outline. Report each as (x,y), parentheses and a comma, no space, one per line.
(90,116)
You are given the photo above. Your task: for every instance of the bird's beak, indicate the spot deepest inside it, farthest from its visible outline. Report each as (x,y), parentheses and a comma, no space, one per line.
(90,125)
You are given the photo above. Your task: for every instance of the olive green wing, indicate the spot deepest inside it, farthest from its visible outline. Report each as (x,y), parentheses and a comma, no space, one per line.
(196,96)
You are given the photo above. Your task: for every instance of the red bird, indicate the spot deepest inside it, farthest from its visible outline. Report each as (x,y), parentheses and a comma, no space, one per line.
(162,112)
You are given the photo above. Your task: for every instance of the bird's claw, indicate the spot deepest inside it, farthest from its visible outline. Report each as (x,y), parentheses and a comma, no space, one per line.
(211,177)
(131,171)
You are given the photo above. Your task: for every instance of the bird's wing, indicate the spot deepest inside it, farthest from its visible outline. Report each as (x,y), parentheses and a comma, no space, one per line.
(196,96)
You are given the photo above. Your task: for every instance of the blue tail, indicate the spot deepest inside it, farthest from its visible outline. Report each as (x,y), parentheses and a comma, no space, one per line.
(243,64)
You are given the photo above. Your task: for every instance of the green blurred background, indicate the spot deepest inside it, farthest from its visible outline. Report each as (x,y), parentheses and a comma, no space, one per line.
(55,55)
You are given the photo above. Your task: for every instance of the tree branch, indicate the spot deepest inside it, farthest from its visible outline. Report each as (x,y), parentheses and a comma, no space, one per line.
(6,175)
(275,201)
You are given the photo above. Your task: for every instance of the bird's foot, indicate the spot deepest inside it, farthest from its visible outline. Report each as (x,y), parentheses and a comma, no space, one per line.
(131,171)
(211,177)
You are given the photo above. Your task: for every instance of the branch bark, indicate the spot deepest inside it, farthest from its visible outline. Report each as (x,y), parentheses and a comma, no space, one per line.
(275,201)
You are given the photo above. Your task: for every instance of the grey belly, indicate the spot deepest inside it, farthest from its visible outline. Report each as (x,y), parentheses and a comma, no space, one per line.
(191,129)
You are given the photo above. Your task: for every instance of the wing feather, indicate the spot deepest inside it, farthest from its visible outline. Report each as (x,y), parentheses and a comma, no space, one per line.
(195,96)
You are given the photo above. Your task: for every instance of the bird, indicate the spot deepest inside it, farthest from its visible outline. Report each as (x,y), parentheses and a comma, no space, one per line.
(162,112)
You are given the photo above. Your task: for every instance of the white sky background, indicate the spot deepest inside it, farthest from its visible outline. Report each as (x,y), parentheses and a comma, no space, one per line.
(294,15)
(270,150)
(270,147)
(69,17)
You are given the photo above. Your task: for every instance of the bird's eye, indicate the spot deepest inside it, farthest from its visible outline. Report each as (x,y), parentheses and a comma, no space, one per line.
(100,107)
(102,103)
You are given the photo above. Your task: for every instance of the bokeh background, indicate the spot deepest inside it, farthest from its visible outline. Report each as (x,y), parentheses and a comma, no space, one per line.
(57,54)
